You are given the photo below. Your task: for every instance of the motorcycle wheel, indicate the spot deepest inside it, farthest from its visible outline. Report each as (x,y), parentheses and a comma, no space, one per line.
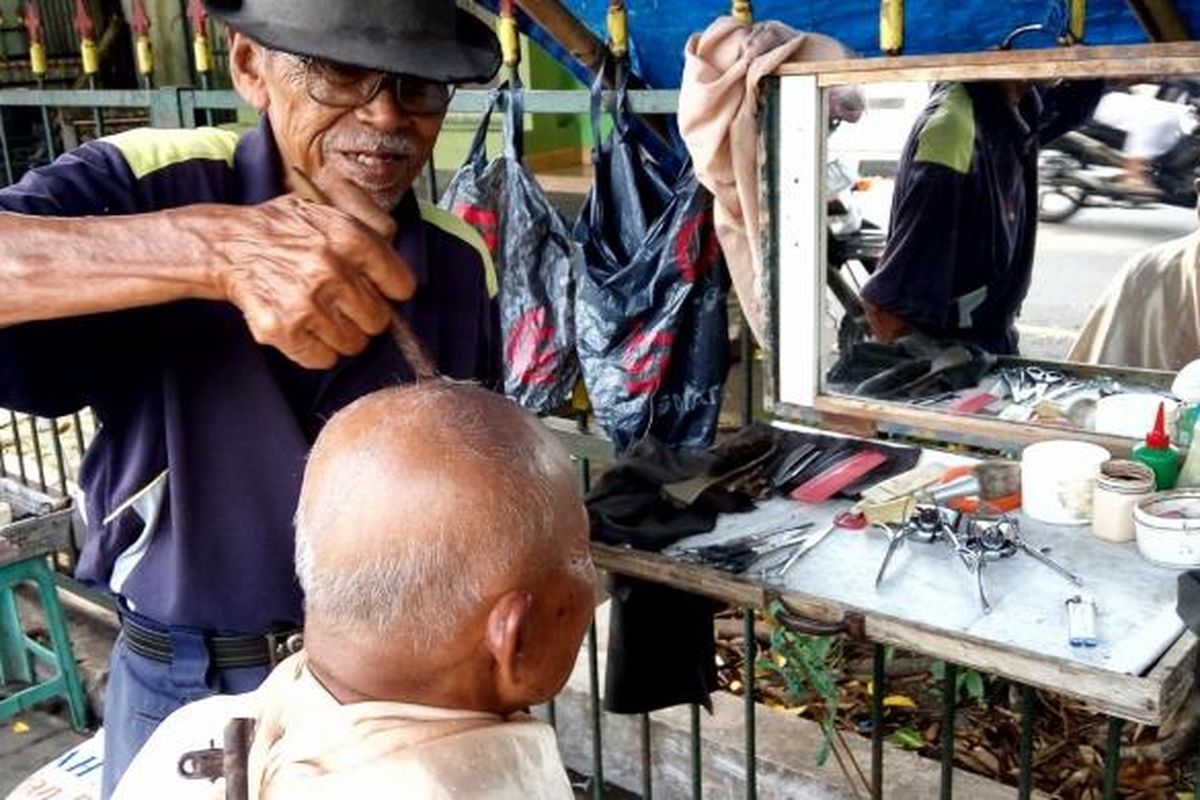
(1060,203)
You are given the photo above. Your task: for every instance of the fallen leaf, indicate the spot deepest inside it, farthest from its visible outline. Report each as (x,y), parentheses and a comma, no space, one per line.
(898,701)
(907,738)
(20,726)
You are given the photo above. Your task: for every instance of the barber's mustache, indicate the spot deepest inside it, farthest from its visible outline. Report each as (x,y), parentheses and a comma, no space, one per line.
(396,145)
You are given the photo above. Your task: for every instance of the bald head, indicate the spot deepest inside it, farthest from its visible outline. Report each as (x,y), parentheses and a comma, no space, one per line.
(422,507)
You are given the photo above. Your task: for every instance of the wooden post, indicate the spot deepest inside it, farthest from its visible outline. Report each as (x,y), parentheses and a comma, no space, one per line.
(567,31)
(1160,19)
(585,48)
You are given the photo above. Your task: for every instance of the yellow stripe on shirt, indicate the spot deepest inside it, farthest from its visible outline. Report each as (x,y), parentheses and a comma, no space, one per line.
(451,224)
(148,150)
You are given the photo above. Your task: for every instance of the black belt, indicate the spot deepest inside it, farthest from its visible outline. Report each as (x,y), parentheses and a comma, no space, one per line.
(224,652)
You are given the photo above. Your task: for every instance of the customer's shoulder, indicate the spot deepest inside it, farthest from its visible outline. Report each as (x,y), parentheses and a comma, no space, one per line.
(518,758)
(1170,256)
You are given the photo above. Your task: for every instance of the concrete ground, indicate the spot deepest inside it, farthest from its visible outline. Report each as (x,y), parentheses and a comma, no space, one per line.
(30,741)
(33,739)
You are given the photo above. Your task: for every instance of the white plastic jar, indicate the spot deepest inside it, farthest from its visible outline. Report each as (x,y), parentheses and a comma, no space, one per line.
(1058,479)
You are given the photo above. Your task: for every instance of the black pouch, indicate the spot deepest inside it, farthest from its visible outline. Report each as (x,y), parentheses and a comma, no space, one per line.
(651,309)
(536,259)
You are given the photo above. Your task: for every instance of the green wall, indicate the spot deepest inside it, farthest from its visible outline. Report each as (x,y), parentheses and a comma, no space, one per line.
(544,133)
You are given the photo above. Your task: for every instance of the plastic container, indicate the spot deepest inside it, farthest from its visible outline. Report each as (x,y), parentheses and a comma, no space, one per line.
(1058,479)
(1158,454)
(1185,424)
(1186,389)
(1121,485)
(1130,414)
(1189,476)
(1168,528)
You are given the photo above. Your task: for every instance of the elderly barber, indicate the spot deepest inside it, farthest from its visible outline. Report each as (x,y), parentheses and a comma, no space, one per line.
(959,256)
(213,320)
(443,549)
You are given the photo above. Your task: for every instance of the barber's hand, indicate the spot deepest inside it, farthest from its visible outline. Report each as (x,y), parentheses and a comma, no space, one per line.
(886,327)
(313,281)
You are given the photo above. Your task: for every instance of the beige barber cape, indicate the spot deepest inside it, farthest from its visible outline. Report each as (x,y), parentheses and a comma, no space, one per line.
(307,746)
(1149,316)
(718,109)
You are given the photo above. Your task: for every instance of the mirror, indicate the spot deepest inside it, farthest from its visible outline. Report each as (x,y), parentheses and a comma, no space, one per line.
(1019,250)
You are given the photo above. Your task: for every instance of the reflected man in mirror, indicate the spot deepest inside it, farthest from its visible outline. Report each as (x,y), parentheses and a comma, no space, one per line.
(1149,316)
(959,256)
(442,545)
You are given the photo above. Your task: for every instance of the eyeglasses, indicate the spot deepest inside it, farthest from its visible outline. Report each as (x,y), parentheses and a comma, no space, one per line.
(342,86)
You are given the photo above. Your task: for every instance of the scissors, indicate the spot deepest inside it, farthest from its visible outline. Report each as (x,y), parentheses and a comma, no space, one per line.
(1044,375)
(844,519)
(1043,379)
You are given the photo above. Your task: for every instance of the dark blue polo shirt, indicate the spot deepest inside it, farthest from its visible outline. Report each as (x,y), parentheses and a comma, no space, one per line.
(959,256)
(193,479)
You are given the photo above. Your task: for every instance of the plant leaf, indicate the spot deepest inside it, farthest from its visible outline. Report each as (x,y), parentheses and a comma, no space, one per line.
(907,739)
(973,681)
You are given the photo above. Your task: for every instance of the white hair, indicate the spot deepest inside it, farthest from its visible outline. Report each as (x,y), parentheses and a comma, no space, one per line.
(422,585)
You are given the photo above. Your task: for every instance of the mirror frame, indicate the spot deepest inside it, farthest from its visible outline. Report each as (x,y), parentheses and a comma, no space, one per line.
(792,231)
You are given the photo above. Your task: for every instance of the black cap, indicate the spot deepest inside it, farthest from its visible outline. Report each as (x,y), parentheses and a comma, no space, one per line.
(431,39)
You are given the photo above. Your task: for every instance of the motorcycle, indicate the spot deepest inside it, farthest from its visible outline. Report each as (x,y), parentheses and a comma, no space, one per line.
(851,238)
(1086,168)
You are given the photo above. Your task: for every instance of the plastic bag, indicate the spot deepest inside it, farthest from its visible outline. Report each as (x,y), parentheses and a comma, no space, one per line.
(651,308)
(536,259)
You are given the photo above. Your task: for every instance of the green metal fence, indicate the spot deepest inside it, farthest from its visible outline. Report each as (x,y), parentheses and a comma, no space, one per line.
(46,453)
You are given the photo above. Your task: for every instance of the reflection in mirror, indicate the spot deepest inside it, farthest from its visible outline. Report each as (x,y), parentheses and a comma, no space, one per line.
(1021,250)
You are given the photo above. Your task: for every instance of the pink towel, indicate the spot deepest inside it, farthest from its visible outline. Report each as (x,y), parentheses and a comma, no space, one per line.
(718,105)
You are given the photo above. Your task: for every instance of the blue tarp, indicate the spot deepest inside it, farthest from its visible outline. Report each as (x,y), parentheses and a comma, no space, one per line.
(659,28)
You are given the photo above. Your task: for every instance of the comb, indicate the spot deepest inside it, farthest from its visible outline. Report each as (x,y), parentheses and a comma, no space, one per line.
(833,480)
(974,403)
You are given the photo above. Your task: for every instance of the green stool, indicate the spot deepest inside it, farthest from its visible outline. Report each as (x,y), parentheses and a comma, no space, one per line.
(17,649)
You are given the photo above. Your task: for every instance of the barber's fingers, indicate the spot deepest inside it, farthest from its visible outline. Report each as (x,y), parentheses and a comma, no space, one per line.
(379,262)
(352,200)
(335,328)
(302,272)
(357,302)
(358,250)
(387,271)
(309,351)
(349,249)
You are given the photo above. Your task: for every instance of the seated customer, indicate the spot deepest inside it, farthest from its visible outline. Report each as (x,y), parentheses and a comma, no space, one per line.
(1149,316)
(441,543)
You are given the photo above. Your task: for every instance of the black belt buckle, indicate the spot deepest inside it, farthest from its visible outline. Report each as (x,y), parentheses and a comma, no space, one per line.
(281,644)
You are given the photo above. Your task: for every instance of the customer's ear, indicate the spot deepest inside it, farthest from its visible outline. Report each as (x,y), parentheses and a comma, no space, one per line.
(247,70)
(508,629)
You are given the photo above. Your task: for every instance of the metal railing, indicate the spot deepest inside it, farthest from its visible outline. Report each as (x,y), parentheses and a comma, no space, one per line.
(45,453)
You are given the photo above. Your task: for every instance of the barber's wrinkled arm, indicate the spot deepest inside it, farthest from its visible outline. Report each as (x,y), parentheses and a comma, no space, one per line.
(310,280)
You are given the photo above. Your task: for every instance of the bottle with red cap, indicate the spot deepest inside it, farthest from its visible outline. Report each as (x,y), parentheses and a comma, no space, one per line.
(1159,455)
